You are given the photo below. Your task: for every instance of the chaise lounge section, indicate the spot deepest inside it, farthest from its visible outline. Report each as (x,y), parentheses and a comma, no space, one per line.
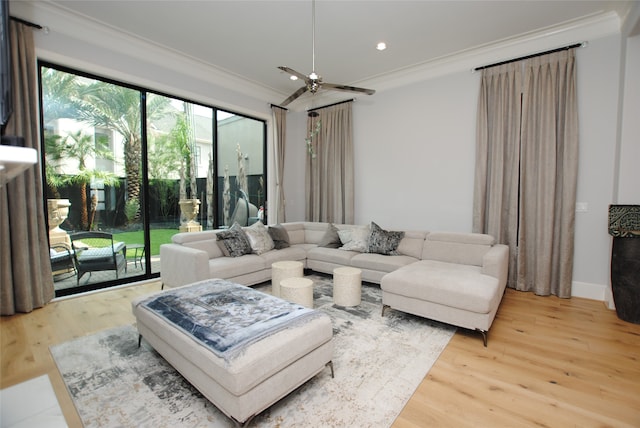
(460,280)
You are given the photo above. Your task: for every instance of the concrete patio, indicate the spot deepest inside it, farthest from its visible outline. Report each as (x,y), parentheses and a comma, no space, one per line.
(67,280)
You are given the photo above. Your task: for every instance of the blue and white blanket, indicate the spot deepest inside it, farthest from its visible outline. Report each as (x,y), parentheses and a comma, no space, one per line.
(226,317)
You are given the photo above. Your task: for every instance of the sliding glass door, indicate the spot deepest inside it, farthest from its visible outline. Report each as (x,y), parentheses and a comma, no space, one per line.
(241,169)
(141,166)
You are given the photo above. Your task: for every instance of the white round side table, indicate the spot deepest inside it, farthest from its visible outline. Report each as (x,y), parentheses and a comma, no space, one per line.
(347,286)
(284,270)
(297,290)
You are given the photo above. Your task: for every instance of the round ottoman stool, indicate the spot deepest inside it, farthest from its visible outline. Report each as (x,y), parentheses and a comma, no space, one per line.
(284,270)
(347,286)
(297,290)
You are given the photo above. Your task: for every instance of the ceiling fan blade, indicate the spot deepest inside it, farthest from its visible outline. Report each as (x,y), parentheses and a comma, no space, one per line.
(294,73)
(348,88)
(295,95)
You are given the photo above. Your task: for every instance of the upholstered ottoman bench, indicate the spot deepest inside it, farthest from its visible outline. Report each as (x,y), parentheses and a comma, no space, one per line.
(241,348)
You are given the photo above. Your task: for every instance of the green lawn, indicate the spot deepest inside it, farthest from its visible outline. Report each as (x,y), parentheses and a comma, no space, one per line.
(158,237)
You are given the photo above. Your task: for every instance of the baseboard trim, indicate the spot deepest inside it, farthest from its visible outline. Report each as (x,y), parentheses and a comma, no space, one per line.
(588,290)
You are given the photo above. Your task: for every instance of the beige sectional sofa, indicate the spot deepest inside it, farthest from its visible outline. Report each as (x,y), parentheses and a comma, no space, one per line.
(456,278)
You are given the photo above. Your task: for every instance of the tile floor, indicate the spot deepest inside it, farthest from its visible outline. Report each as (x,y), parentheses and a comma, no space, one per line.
(31,404)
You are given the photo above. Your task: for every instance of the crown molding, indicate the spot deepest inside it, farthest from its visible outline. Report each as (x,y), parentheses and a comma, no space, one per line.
(60,20)
(576,31)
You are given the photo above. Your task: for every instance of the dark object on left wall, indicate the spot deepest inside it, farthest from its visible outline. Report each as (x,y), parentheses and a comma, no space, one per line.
(12,140)
(6,89)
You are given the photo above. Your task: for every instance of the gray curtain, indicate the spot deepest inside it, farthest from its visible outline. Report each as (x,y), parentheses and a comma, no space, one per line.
(495,207)
(279,115)
(527,166)
(329,180)
(26,278)
(549,171)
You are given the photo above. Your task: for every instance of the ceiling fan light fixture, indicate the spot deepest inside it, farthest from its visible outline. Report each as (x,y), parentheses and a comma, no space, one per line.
(313,82)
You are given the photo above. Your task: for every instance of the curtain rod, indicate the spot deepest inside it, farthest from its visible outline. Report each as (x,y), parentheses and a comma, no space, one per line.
(575,45)
(29,23)
(276,105)
(331,105)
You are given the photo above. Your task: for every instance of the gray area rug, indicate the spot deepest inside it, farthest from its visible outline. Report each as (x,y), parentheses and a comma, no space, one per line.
(378,361)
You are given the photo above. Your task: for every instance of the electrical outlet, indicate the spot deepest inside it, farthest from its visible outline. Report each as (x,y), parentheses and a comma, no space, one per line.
(582,207)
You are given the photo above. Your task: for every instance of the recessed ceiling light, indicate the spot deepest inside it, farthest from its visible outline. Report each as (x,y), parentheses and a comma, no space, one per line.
(292,77)
(381,46)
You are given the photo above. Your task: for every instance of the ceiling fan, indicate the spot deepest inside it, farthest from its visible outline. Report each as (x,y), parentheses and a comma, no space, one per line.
(313,82)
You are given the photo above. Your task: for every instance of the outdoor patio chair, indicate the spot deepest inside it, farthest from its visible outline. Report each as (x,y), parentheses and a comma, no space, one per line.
(62,261)
(96,251)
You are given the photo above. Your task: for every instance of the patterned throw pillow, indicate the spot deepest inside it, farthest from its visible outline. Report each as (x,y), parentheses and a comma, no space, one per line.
(279,236)
(233,242)
(355,239)
(384,242)
(259,238)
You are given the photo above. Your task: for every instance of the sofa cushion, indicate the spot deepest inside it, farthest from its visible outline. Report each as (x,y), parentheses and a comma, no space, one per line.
(259,238)
(450,284)
(383,241)
(229,267)
(293,253)
(185,237)
(296,232)
(331,239)
(331,255)
(210,246)
(463,248)
(314,231)
(279,236)
(234,242)
(380,262)
(412,244)
(355,239)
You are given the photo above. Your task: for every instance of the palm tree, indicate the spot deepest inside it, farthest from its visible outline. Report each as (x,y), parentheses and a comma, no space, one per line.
(81,147)
(162,157)
(118,108)
(59,99)
(180,137)
(60,93)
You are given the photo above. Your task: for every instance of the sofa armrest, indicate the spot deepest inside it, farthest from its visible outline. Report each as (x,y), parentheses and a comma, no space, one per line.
(495,263)
(180,265)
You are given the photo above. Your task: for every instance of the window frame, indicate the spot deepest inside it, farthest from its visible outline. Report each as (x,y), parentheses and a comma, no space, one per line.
(145,181)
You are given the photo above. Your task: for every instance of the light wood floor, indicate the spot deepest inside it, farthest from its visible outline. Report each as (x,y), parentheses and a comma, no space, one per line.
(550,362)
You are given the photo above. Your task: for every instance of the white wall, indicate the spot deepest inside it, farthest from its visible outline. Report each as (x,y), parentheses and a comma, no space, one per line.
(629,178)
(295,166)
(415,151)
(598,102)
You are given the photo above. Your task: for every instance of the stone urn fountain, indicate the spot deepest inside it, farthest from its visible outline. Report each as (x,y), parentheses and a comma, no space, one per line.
(190,209)
(58,210)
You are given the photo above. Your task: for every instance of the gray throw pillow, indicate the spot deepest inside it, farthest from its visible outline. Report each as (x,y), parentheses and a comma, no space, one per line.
(279,236)
(259,238)
(384,242)
(356,239)
(233,242)
(331,239)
